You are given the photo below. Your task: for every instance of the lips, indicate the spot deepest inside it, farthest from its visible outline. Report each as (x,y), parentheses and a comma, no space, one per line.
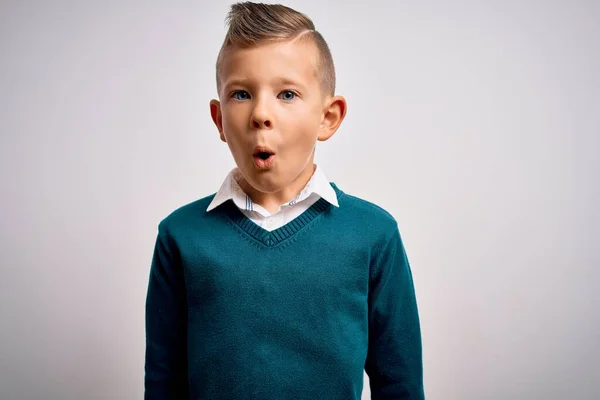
(263,157)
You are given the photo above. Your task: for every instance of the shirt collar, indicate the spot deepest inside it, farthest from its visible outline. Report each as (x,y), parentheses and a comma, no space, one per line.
(230,190)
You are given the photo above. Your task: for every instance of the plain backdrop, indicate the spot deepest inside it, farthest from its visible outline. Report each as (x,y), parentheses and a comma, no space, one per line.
(475,123)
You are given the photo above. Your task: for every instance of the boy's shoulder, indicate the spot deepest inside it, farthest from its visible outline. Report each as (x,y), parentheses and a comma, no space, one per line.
(366,212)
(189,214)
(368,221)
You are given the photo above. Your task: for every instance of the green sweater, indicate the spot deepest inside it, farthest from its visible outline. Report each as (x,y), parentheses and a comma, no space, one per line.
(237,312)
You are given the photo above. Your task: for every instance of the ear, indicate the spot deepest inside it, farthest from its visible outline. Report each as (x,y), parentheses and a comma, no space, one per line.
(335,111)
(217,117)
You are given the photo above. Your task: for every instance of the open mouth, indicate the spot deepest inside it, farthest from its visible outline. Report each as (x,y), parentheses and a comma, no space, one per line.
(263,155)
(263,158)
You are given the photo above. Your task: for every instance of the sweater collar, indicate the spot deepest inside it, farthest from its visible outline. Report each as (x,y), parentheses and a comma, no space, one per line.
(274,238)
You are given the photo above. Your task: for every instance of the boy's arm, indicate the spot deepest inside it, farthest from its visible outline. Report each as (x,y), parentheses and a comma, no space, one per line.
(394,361)
(166,325)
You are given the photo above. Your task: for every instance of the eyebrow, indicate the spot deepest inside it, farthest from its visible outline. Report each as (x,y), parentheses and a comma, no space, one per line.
(291,82)
(248,82)
(235,82)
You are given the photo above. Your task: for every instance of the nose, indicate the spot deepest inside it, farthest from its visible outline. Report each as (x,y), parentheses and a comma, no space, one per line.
(261,117)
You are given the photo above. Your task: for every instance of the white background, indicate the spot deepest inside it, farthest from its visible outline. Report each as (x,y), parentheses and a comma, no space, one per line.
(476,124)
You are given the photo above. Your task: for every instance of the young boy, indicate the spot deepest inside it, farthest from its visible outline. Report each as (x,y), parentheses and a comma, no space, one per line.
(280,285)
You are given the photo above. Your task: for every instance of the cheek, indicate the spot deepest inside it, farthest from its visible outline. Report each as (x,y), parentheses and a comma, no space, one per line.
(304,140)
(311,125)
(230,120)
(307,122)
(233,125)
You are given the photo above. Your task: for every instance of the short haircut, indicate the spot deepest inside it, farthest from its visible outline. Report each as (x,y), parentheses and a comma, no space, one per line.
(252,24)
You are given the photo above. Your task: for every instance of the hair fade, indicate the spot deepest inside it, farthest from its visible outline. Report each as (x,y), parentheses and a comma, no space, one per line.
(252,24)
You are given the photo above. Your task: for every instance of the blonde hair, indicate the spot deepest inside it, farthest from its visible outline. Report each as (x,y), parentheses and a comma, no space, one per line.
(252,24)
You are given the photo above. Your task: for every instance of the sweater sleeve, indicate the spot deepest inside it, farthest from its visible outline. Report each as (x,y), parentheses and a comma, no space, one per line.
(166,325)
(394,360)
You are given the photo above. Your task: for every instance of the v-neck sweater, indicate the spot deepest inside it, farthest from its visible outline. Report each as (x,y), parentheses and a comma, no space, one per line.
(234,311)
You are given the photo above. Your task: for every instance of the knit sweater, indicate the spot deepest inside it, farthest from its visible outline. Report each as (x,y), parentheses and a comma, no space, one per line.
(237,312)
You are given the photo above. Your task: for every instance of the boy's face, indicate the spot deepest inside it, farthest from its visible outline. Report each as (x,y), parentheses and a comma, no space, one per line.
(273,111)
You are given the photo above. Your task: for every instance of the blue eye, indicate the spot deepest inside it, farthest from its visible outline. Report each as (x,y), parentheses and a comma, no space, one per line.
(288,95)
(241,95)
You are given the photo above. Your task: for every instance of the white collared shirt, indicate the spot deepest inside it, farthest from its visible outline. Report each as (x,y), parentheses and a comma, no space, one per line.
(317,187)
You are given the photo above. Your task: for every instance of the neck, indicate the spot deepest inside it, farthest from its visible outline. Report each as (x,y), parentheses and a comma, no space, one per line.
(272,201)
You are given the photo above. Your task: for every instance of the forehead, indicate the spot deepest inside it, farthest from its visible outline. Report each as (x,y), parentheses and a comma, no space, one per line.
(291,60)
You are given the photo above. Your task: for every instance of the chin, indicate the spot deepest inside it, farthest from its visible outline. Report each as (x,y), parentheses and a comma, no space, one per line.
(262,181)
(264,184)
